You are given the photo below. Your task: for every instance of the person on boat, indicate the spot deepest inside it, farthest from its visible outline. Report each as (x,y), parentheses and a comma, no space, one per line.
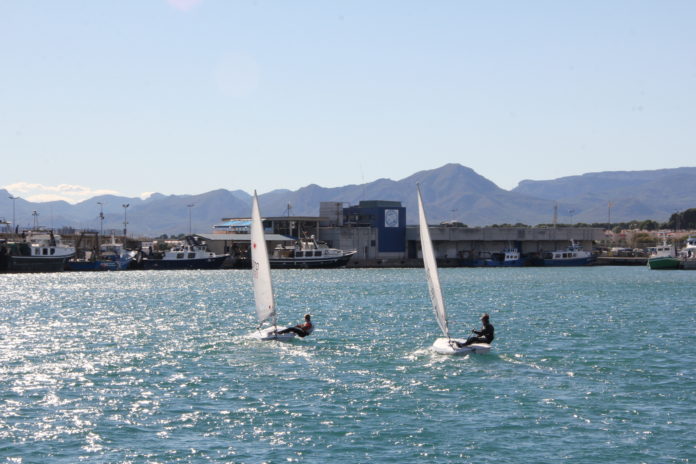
(302,330)
(485,335)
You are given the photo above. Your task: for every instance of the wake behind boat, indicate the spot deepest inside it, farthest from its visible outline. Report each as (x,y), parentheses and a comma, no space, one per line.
(446,345)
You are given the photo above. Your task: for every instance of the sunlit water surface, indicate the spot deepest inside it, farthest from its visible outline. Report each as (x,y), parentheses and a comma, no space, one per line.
(589,365)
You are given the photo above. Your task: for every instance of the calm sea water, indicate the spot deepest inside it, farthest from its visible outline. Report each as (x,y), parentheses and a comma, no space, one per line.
(589,365)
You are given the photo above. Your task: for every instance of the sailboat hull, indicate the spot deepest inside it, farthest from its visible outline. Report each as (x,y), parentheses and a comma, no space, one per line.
(268,333)
(443,346)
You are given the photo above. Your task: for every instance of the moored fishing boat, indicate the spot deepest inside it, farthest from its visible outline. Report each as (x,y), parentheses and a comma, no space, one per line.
(192,254)
(574,255)
(509,257)
(111,256)
(40,251)
(688,254)
(663,256)
(309,253)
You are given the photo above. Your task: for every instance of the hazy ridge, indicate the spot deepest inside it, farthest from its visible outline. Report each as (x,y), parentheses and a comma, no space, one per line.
(453,192)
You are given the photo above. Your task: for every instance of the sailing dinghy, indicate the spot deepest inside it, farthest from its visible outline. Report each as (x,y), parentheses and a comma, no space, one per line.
(261,275)
(446,345)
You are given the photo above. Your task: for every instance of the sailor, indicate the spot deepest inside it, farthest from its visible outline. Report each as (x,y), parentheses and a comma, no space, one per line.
(485,335)
(302,330)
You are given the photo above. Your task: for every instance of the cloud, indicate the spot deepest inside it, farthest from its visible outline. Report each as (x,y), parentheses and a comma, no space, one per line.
(40,193)
(184,5)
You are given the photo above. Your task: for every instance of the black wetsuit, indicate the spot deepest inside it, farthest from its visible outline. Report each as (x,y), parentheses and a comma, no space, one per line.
(298,330)
(485,335)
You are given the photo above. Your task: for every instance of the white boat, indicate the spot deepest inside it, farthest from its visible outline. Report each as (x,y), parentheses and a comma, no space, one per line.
(447,345)
(574,255)
(191,254)
(689,251)
(40,251)
(111,257)
(263,285)
(663,256)
(116,252)
(688,254)
(309,253)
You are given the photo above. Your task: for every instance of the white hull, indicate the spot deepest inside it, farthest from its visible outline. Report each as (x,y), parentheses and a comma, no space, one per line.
(268,333)
(446,346)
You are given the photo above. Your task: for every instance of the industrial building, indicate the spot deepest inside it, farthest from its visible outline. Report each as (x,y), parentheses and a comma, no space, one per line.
(377,230)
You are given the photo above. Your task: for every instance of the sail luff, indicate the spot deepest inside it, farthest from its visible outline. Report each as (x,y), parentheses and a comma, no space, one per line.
(431,272)
(261,267)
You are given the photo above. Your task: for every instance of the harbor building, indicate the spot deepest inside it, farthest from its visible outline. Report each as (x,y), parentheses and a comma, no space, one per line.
(233,235)
(377,230)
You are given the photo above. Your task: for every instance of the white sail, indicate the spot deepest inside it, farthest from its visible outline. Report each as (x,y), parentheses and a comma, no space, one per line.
(431,269)
(261,267)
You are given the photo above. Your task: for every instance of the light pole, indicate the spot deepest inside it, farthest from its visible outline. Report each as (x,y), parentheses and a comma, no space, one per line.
(101,218)
(571,212)
(36,219)
(13,198)
(189,208)
(125,221)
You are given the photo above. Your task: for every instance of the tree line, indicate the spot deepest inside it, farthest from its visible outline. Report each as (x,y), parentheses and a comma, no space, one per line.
(677,221)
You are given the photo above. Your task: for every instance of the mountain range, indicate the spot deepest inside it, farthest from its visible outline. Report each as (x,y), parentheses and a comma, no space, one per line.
(452,192)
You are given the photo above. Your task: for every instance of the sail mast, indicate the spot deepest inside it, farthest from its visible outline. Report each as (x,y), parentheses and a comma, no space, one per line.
(431,269)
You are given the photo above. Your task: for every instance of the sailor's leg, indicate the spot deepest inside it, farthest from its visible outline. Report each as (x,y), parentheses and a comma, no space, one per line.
(296,330)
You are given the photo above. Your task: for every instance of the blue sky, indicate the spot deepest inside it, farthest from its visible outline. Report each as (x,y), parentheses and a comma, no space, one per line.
(186,96)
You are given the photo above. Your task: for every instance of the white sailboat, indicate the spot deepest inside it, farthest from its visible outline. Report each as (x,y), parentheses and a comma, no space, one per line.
(447,345)
(261,275)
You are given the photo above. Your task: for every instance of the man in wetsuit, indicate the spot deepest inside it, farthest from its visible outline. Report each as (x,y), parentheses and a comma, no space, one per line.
(302,330)
(485,335)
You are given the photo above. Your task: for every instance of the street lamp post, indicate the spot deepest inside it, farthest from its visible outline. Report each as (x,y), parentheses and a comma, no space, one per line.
(36,219)
(101,218)
(125,220)
(189,208)
(13,198)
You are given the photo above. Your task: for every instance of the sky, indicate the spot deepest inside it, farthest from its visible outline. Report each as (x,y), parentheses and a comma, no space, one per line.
(131,97)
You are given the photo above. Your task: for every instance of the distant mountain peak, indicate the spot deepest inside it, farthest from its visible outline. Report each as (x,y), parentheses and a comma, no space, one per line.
(452,191)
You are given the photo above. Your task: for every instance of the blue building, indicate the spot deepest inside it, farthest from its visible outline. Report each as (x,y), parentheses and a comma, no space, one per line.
(387,218)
